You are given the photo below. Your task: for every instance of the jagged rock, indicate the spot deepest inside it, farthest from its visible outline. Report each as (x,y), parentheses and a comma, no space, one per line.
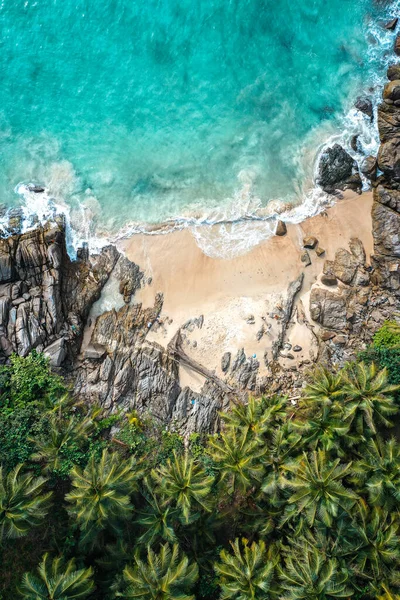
(392,24)
(328,276)
(305,258)
(369,167)
(281,228)
(239,360)
(328,308)
(338,170)
(388,120)
(393,72)
(358,251)
(392,90)
(94,352)
(344,265)
(310,242)
(225,362)
(389,158)
(194,323)
(397,45)
(386,228)
(365,106)
(56,352)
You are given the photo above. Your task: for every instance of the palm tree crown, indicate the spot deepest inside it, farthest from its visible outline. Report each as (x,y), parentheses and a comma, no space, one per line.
(57,580)
(246,574)
(23,504)
(185,483)
(167,575)
(317,485)
(100,497)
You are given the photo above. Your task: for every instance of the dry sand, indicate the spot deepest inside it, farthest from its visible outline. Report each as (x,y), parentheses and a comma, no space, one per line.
(228,291)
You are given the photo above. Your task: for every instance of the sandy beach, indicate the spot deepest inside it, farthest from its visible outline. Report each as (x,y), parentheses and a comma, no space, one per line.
(236,296)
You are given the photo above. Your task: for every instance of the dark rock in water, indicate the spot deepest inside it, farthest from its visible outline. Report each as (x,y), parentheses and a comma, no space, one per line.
(338,170)
(365,106)
(305,258)
(37,189)
(393,72)
(392,24)
(281,228)
(355,143)
(225,361)
(310,242)
(369,167)
(397,45)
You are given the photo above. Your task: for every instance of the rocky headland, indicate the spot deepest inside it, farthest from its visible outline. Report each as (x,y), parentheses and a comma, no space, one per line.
(325,307)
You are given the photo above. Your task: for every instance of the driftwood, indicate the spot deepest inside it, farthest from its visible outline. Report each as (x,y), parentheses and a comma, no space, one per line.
(174,348)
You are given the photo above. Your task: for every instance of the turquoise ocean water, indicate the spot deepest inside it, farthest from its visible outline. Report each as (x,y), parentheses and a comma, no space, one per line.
(141,111)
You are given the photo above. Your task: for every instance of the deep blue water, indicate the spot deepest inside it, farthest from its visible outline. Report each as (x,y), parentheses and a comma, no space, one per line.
(147,110)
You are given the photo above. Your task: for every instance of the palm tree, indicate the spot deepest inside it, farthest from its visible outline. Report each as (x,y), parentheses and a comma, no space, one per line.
(167,575)
(378,553)
(379,471)
(50,451)
(23,504)
(368,398)
(101,493)
(317,485)
(237,459)
(57,580)
(325,388)
(325,430)
(186,484)
(281,445)
(155,517)
(247,573)
(257,417)
(310,576)
(388,595)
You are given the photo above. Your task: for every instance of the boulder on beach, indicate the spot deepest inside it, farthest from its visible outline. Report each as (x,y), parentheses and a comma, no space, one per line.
(337,170)
(310,242)
(281,228)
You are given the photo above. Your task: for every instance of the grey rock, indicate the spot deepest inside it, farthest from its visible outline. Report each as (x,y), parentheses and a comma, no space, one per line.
(56,352)
(344,265)
(369,167)
(337,170)
(305,258)
(328,308)
(225,361)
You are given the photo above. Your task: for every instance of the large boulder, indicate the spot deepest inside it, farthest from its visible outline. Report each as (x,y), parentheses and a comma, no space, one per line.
(338,170)
(328,308)
(345,265)
(389,158)
(393,72)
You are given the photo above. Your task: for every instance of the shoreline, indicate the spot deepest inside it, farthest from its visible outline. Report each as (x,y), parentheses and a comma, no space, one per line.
(235,295)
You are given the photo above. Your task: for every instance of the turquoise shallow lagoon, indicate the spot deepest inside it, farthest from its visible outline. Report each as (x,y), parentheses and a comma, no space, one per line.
(144,111)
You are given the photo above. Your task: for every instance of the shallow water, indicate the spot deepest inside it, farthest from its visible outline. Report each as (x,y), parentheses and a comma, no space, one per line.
(143,111)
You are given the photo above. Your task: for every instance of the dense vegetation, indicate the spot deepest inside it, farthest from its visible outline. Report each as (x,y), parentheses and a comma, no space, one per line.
(288,502)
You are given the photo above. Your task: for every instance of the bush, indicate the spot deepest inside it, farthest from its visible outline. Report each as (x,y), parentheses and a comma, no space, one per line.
(388,336)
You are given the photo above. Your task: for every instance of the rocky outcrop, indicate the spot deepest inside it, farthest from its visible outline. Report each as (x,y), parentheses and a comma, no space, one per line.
(337,170)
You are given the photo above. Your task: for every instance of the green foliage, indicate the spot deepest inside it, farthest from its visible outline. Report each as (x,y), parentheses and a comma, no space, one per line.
(23,503)
(167,575)
(388,336)
(57,580)
(283,503)
(101,494)
(29,379)
(247,573)
(185,484)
